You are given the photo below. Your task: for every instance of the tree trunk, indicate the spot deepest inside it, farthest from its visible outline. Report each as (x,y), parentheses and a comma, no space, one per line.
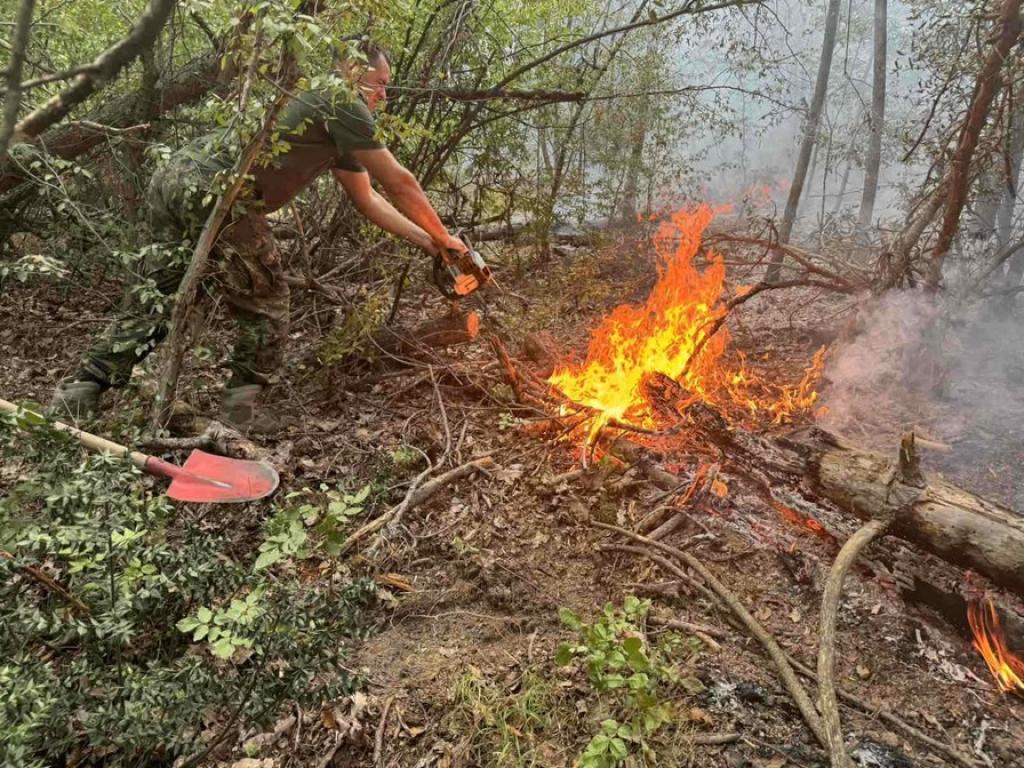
(12,99)
(939,517)
(873,161)
(1004,218)
(630,190)
(985,89)
(810,135)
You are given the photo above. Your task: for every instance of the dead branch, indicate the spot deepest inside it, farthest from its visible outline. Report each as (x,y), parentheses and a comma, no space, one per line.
(75,138)
(453,329)
(12,98)
(805,258)
(893,720)
(714,738)
(705,633)
(907,472)
(725,596)
(104,69)
(827,701)
(511,94)
(216,438)
(378,740)
(51,584)
(703,481)
(417,496)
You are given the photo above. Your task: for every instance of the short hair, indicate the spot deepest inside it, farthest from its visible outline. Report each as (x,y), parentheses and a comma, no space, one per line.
(370,49)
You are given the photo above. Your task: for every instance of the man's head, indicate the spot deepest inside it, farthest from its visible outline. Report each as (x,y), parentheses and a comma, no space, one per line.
(370,71)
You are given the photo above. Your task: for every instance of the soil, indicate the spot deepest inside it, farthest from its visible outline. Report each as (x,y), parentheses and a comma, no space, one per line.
(471,587)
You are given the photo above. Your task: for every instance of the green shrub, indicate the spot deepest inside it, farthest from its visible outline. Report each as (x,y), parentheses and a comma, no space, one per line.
(633,679)
(152,641)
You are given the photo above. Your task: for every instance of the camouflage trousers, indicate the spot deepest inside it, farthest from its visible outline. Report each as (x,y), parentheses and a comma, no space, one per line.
(245,269)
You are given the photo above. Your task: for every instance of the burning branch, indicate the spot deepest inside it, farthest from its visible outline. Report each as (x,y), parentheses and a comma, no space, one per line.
(990,642)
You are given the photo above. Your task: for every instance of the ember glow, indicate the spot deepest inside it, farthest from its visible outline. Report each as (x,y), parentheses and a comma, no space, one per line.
(1006,668)
(660,336)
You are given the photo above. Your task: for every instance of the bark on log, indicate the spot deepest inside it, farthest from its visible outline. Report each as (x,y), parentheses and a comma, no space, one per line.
(448,331)
(949,522)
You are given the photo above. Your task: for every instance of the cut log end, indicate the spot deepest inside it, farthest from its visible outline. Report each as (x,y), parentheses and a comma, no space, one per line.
(448,331)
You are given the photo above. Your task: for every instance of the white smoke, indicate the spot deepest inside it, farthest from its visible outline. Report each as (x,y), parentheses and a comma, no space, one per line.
(955,374)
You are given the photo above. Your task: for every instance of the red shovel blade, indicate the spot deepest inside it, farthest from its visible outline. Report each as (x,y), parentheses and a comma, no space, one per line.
(217,479)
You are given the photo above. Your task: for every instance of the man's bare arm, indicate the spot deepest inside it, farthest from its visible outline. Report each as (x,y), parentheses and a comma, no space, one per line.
(407,195)
(378,210)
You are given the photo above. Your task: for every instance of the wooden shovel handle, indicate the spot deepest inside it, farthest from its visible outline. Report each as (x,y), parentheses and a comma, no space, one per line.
(90,441)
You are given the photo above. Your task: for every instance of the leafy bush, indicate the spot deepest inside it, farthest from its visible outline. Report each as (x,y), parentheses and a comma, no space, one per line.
(128,636)
(631,676)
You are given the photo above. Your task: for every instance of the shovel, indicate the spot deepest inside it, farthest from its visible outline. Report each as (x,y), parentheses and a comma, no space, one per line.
(204,477)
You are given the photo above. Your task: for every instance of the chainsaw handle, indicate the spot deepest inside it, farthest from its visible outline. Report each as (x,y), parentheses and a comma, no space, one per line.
(90,441)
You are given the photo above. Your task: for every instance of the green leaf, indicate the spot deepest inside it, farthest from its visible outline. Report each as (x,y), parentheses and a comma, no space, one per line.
(187,624)
(204,614)
(570,619)
(223,648)
(617,749)
(564,655)
(692,685)
(201,631)
(267,559)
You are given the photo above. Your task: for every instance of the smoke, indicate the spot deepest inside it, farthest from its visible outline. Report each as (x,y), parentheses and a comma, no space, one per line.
(954,374)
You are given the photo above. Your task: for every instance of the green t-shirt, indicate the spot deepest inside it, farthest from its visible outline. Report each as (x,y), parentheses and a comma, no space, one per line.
(322,130)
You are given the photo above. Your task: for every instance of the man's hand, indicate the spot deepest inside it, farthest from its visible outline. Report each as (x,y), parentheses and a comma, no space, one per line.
(452,243)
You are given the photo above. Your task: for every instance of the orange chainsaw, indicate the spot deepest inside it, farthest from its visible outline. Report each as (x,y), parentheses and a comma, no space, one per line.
(458,274)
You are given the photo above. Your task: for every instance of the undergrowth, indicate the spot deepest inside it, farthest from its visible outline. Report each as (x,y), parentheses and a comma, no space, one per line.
(617,701)
(128,633)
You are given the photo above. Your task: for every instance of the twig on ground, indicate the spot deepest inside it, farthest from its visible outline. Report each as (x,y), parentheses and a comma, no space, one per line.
(50,583)
(891,719)
(724,595)
(703,481)
(703,633)
(714,738)
(416,496)
(827,701)
(378,741)
(665,563)
(216,438)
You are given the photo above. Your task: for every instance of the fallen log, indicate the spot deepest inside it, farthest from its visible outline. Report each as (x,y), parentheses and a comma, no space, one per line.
(932,513)
(448,331)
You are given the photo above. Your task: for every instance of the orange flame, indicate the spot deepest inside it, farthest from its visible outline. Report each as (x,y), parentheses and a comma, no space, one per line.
(791,515)
(668,335)
(1006,668)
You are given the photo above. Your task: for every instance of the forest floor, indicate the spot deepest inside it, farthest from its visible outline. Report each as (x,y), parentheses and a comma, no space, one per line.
(463,659)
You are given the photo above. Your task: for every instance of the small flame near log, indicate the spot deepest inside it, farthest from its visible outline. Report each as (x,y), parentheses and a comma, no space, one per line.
(990,641)
(673,334)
